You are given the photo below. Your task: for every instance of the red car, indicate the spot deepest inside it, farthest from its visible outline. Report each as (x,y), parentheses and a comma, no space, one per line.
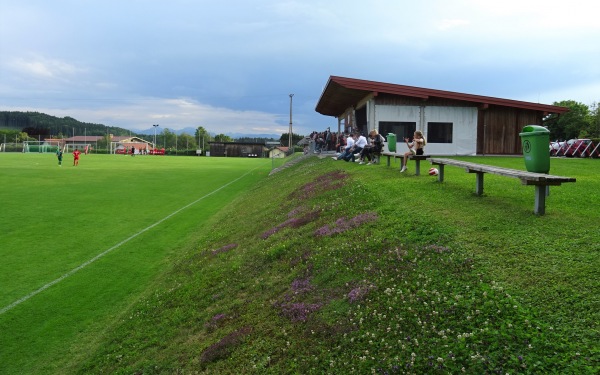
(582,148)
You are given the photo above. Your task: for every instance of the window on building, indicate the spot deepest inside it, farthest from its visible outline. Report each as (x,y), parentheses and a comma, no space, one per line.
(402,129)
(439,132)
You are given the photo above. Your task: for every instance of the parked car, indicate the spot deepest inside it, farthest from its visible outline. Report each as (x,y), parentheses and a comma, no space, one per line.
(559,148)
(581,147)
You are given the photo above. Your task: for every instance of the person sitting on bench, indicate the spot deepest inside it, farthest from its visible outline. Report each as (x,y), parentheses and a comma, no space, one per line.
(359,144)
(374,147)
(414,148)
(346,151)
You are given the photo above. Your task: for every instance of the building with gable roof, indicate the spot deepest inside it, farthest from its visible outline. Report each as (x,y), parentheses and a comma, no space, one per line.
(453,123)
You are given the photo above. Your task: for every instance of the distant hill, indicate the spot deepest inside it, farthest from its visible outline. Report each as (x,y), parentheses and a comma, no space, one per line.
(35,123)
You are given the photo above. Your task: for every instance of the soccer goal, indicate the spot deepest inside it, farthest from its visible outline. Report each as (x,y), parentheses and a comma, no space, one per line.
(11,147)
(39,146)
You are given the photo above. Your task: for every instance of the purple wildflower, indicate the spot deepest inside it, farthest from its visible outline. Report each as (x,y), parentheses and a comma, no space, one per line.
(359,293)
(331,181)
(215,322)
(437,248)
(224,249)
(224,347)
(342,224)
(294,222)
(300,286)
(218,317)
(299,312)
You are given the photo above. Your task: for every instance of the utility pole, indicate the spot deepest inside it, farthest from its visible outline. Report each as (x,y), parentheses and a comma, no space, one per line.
(290,131)
(155,126)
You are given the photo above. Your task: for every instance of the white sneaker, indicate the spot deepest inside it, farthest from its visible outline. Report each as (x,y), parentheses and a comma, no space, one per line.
(403,169)
(369,163)
(334,157)
(361,162)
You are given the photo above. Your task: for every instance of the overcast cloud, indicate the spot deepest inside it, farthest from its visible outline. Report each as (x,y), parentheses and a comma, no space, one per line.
(230,66)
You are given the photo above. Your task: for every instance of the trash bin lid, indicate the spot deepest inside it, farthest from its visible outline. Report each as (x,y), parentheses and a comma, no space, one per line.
(535,129)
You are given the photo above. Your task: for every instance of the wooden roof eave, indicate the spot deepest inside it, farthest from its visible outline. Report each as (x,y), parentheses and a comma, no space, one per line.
(361,88)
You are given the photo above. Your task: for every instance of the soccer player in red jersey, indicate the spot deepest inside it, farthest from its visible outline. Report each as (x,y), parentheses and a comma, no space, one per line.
(76,154)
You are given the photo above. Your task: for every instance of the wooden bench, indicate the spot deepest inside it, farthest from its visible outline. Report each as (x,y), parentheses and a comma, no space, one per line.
(541,181)
(416,158)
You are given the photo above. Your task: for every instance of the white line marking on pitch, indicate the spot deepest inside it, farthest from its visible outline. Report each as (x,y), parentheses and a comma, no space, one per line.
(80,267)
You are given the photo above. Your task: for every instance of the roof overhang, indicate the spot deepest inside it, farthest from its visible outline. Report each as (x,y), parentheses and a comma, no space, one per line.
(341,93)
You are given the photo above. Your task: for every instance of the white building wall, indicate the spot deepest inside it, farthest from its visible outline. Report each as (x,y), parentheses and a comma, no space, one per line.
(464,129)
(397,113)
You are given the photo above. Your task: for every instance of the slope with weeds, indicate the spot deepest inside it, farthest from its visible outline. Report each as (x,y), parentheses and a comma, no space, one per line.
(332,268)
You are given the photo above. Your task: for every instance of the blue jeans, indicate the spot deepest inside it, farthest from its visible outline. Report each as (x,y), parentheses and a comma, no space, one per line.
(350,155)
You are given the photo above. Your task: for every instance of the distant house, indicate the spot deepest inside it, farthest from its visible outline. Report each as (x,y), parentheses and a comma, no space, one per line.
(123,145)
(453,123)
(278,152)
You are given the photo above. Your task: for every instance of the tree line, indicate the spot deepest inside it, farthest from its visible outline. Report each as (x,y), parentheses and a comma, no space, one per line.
(33,126)
(36,123)
(581,121)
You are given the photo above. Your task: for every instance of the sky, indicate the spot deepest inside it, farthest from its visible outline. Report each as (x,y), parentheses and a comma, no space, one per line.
(231,65)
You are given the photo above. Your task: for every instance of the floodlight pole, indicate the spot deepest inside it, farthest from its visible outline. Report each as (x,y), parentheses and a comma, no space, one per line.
(290,131)
(155,126)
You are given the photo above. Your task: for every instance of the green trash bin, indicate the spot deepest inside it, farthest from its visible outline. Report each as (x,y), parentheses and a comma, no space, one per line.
(391,141)
(535,140)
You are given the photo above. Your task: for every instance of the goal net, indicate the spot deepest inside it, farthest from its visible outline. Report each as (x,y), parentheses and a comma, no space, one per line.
(39,146)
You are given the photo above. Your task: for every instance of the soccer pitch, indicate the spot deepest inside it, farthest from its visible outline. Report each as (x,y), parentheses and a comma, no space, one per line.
(80,244)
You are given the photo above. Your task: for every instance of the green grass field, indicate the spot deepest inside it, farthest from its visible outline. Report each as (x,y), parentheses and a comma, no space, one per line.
(55,219)
(324,267)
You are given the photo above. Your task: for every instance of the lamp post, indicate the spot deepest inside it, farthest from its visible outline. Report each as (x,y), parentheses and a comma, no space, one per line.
(290,131)
(155,126)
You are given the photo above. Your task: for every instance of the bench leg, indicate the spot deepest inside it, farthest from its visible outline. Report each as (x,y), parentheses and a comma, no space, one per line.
(441,173)
(388,163)
(479,184)
(540,200)
(417,167)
